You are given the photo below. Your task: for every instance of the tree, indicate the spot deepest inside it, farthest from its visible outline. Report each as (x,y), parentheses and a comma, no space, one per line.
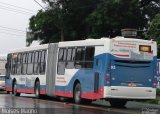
(154,29)
(43,27)
(79,19)
(111,16)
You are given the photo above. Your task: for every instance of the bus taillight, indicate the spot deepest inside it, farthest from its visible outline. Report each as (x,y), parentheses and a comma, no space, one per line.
(108,75)
(108,81)
(155,81)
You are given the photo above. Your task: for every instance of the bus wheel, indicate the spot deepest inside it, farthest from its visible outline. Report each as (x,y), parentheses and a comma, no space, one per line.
(14,92)
(87,101)
(77,94)
(8,92)
(118,103)
(37,89)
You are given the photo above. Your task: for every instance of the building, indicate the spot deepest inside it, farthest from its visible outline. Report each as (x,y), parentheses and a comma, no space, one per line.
(3,61)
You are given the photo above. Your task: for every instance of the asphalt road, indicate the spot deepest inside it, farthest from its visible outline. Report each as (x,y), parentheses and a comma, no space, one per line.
(28,104)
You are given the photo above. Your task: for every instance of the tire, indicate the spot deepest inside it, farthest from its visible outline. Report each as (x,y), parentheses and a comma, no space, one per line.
(77,94)
(8,92)
(118,103)
(37,89)
(14,91)
(86,101)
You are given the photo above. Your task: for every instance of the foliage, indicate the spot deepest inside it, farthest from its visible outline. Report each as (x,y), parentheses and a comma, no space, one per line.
(113,15)
(154,29)
(79,19)
(158,92)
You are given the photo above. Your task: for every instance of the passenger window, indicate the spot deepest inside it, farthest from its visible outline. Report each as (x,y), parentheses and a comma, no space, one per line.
(36,67)
(30,63)
(79,60)
(70,58)
(24,63)
(19,63)
(89,57)
(43,62)
(14,63)
(61,61)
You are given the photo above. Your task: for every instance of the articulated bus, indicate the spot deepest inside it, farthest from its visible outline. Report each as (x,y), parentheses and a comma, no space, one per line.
(118,70)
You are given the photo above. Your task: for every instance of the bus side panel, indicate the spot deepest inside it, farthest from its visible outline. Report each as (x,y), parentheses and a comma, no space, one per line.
(91,80)
(8,84)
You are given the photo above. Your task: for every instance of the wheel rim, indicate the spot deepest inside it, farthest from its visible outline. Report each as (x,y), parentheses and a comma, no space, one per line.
(77,96)
(37,90)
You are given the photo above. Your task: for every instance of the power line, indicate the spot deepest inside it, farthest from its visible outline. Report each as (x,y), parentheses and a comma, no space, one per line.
(15,6)
(12,29)
(15,10)
(39,4)
(7,33)
(12,32)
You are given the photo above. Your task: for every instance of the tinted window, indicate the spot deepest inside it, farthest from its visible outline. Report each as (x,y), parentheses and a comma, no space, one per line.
(61,61)
(70,58)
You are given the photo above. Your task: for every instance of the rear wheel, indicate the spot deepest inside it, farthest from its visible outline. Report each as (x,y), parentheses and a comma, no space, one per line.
(8,92)
(37,89)
(118,103)
(14,91)
(77,94)
(86,101)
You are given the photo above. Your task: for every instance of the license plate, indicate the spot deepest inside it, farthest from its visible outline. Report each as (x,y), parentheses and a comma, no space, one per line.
(132,85)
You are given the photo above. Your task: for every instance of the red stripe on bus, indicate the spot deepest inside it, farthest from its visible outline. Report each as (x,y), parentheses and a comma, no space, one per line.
(25,90)
(93,95)
(8,88)
(65,94)
(123,55)
(87,95)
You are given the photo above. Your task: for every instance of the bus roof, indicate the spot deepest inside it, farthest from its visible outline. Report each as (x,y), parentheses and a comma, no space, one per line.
(38,47)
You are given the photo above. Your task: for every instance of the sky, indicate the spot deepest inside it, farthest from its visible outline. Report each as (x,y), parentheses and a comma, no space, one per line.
(14,21)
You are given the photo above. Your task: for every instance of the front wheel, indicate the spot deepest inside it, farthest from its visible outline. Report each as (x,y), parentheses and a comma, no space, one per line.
(14,91)
(77,94)
(37,89)
(118,103)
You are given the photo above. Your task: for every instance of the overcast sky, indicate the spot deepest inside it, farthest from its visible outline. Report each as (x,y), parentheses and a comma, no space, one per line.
(14,20)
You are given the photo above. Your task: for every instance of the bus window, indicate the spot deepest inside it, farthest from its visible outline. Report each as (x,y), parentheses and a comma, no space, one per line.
(61,61)
(36,68)
(19,63)
(89,57)
(70,58)
(14,63)
(30,63)
(24,63)
(43,62)
(79,60)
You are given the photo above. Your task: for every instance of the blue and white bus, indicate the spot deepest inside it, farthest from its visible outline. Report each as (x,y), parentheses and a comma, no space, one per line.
(118,70)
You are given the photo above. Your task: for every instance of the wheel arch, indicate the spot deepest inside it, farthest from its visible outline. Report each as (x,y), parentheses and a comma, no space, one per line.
(37,79)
